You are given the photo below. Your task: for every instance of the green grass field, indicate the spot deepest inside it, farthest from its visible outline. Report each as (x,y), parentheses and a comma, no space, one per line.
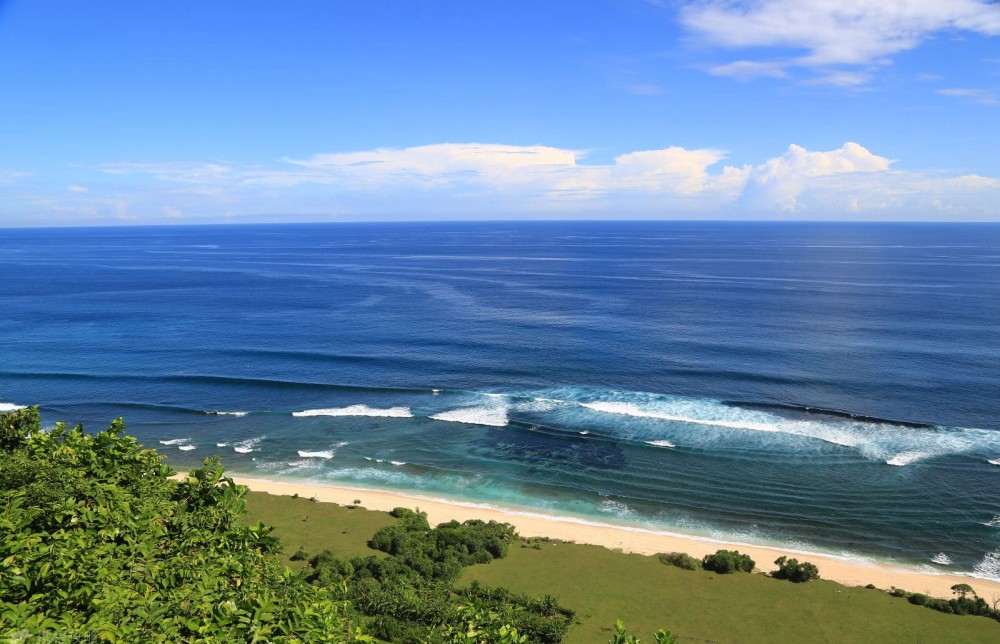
(602,585)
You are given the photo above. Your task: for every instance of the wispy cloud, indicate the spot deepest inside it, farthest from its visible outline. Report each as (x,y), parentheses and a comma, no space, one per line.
(982,96)
(831,37)
(9,176)
(750,69)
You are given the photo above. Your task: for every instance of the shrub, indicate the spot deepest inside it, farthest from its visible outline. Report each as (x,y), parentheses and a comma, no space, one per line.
(794,571)
(679,559)
(728,561)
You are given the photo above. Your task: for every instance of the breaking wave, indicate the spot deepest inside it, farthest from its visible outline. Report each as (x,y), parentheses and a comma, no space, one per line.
(493,415)
(326,453)
(906,458)
(323,454)
(664,417)
(357,410)
(247,446)
(989,567)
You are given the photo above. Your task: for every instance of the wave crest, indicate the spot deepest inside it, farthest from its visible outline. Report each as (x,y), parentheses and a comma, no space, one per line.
(357,410)
(489,415)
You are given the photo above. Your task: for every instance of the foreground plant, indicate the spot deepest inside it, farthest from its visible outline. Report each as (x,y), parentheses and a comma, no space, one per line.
(98,541)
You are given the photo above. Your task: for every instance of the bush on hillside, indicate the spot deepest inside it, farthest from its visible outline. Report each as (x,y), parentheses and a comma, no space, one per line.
(679,559)
(728,561)
(794,571)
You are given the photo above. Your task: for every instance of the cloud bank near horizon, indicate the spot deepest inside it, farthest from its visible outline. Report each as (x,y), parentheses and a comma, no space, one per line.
(478,180)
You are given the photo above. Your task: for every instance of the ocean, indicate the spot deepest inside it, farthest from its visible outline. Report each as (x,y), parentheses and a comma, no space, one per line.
(827,387)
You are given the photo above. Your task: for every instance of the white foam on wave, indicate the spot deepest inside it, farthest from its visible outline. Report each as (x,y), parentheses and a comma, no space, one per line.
(247,446)
(320,454)
(994,522)
(326,453)
(618,509)
(876,441)
(357,410)
(989,567)
(694,413)
(397,463)
(494,415)
(238,414)
(10,407)
(993,461)
(660,443)
(222,444)
(381,475)
(905,458)
(941,558)
(175,441)
(185,448)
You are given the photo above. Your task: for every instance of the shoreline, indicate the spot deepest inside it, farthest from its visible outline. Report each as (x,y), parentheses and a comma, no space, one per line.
(631,540)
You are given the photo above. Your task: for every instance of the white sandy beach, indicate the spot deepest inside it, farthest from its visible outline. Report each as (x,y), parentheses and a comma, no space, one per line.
(844,571)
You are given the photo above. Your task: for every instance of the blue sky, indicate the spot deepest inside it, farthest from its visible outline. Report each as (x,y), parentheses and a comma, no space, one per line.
(183,112)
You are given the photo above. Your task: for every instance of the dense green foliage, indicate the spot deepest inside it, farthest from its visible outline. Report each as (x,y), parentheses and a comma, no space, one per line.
(97,541)
(728,561)
(679,559)
(966,602)
(409,595)
(441,553)
(792,570)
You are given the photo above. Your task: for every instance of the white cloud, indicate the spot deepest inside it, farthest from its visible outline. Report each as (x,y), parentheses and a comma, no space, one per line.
(829,34)
(76,189)
(441,163)
(779,182)
(476,179)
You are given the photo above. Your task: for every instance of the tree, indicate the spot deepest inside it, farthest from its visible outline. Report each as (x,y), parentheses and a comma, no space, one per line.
(962,590)
(794,571)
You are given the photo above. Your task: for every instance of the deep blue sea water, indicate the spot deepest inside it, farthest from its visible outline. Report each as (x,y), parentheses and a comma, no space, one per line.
(832,387)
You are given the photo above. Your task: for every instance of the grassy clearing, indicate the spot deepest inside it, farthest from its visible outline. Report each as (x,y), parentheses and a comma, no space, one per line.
(602,585)
(314,527)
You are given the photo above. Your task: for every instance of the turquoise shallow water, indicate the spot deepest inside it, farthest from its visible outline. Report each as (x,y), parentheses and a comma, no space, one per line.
(826,386)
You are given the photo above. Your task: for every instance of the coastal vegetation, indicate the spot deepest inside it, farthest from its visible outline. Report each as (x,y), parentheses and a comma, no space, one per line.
(98,541)
(794,571)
